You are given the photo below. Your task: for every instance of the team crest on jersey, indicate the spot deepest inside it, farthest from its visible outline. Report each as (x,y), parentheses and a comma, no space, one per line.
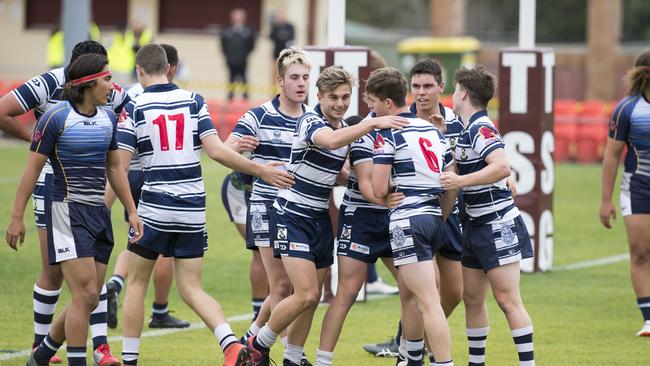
(612,125)
(452,143)
(507,236)
(463,154)
(277,136)
(378,146)
(398,236)
(122,118)
(488,135)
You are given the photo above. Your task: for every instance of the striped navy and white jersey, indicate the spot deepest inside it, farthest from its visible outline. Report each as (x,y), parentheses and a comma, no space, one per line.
(44,91)
(454,128)
(135,90)
(490,203)
(275,133)
(418,154)
(77,146)
(314,168)
(360,152)
(166,124)
(631,123)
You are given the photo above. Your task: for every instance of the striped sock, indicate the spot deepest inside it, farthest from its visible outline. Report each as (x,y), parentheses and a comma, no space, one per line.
(225,336)
(98,326)
(414,348)
(324,358)
(118,281)
(159,310)
(130,350)
(523,338)
(293,353)
(477,340)
(44,307)
(46,350)
(257,305)
(252,330)
(401,350)
(644,306)
(76,356)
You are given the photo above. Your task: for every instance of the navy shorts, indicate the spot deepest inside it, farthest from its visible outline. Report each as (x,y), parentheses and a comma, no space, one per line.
(170,244)
(415,239)
(452,239)
(41,199)
(258,222)
(298,236)
(363,234)
(136,180)
(489,246)
(635,194)
(76,230)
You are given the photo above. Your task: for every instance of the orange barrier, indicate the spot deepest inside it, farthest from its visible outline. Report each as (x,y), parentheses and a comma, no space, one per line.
(565,129)
(592,132)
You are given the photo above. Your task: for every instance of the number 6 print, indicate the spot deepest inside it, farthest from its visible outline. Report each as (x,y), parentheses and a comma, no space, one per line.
(429,155)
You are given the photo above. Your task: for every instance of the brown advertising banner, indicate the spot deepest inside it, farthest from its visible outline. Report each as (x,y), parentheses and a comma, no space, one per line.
(526,123)
(354,59)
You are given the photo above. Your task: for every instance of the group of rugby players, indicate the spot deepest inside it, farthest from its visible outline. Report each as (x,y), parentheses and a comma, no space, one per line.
(404,167)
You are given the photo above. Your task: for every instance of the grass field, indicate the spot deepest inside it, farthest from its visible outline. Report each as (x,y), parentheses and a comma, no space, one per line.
(582,317)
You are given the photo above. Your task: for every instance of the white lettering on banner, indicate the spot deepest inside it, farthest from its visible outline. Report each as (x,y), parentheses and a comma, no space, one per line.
(545,252)
(351,62)
(519,143)
(519,63)
(528,264)
(547,176)
(548,60)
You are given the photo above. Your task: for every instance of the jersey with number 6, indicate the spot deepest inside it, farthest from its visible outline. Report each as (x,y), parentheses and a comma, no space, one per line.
(166,124)
(418,154)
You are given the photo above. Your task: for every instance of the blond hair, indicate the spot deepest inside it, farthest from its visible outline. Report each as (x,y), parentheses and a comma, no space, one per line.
(290,56)
(332,77)
(638,79)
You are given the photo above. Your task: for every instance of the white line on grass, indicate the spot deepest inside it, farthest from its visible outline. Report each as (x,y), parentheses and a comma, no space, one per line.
(241,317)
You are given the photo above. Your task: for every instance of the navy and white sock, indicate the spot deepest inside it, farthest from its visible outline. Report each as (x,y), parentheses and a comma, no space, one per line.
(265,339)
(118,281)
(159,310)
(448,363)
(477,341)
(644,306)
(130,350)
(76,356)
(401,349)
(46,350)
(293,353)
(523,338)
(324,358)
(257,305)
(98,326)
(252,330)
(44,307)
(225,336)
(414,348)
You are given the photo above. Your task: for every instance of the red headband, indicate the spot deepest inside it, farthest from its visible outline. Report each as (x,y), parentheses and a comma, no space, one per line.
(90,77)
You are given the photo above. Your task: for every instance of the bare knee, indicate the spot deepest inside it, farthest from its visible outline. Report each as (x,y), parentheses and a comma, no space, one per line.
(87,297)
(473,300)
(309,299)
(282,288)
(639,254)
(507,302)
(51,278)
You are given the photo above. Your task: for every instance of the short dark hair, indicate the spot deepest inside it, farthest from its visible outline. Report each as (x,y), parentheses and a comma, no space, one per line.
(87,48)
(172,54)
(388,83)
(428,67)
(638,78)
(152,58)
(479,84)
(84,65)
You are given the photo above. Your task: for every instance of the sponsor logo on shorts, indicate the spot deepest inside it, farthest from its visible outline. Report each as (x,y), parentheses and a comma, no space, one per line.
(282,233)
(63,250)
(346,233)
(299,247)
(342,246)
(360,248)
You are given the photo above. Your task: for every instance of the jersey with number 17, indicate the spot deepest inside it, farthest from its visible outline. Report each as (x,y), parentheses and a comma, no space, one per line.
(166,124)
